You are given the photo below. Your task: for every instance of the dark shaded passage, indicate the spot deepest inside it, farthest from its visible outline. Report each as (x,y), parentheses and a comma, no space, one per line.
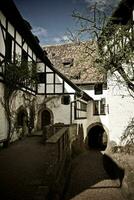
(93,171)
(97,137)
(23,168)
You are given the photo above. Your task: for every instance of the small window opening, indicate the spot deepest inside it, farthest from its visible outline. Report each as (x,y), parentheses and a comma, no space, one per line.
(98,89)
(65,100)
(68,63)
(99,107)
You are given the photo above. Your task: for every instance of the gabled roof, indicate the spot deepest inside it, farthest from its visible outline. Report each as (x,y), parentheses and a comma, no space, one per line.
(81,69)
(10,10)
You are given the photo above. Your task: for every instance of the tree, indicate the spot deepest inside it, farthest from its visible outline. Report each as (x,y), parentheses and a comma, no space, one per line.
(128,137)
(17,76)
(113,42)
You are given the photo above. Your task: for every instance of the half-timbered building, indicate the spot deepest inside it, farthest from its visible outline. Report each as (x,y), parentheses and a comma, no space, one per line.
(48,101)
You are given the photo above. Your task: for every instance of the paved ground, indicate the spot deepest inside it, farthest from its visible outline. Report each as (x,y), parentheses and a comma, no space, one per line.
(23,166)
(94,176)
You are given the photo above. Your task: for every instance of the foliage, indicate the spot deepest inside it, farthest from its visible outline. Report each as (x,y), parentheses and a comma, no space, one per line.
(113,42)
(17,76)
(128,136)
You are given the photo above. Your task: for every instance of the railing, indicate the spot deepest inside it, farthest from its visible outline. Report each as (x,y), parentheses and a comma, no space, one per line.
(59,144)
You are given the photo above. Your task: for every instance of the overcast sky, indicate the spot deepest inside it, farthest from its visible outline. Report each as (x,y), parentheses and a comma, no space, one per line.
(50,19)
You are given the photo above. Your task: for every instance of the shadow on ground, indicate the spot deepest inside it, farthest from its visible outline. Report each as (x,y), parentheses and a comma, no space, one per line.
(90,168)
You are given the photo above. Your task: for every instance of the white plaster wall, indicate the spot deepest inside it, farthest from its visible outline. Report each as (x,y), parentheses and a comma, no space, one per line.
(3,119)
(121,111)
(91,119)
(61,113)
(121,108)
(17,102)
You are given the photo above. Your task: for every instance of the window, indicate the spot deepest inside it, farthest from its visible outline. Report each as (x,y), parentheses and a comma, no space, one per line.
(102,106)
(41,78)
(96,108)
(80,110)
(8,47)
(65,100)
(99,107)
(98,89)
(68,63)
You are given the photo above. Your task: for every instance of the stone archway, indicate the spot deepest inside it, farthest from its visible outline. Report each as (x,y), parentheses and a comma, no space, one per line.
(97,137)
(45,118)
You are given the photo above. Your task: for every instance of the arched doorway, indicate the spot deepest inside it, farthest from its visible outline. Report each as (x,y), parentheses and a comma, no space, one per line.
(97,137)
(45,118)
(22,117)
(22,121)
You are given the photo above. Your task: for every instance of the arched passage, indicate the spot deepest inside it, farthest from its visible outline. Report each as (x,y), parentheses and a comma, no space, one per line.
(97,137)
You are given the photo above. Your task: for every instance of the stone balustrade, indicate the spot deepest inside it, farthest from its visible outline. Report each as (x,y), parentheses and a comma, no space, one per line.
(59,144)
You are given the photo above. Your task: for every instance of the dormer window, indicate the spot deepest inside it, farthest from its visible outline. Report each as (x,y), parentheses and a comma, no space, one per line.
(98,89)
(53,54)
(68,63)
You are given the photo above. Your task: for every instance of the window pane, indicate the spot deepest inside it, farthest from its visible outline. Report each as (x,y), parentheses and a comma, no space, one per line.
(98,89)
(41,77)
(96,107)
(102,107)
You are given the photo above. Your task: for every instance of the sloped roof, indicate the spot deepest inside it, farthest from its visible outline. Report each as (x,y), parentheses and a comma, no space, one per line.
(81,69)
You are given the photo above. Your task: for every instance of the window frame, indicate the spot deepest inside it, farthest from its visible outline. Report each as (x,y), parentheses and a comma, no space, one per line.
(99,107)
(98,89)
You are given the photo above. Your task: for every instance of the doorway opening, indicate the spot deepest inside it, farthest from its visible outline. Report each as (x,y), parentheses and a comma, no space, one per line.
(22,118)
(45,118)
(97,137)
